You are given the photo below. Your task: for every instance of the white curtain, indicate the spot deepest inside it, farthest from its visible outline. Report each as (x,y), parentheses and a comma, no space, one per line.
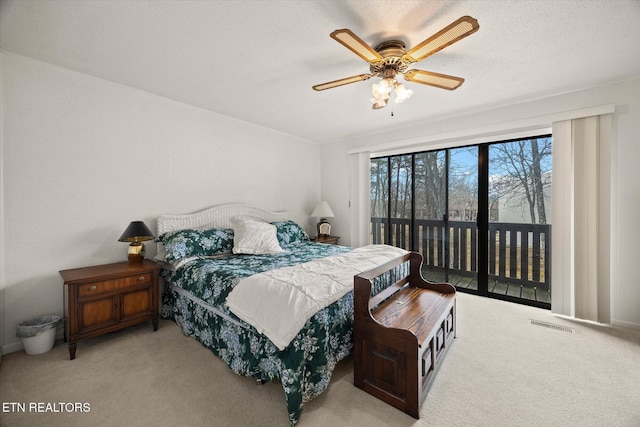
(359,198)
(581,218)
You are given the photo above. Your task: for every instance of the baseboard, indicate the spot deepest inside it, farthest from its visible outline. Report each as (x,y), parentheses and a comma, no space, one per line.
(12,347)
(626,325)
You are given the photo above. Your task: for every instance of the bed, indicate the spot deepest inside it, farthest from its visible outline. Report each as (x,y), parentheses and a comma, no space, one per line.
(210,269)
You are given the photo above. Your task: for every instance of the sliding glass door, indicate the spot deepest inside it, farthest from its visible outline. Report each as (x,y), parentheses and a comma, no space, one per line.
(445,216)
(477,214)
(519,220)
(463,217)
(379,199)
(431,238)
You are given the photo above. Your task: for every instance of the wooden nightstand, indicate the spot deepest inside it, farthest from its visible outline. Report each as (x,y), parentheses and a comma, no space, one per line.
(105,298)
(332,240)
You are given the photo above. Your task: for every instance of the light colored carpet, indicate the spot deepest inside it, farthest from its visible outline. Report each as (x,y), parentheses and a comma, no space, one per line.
(500,371)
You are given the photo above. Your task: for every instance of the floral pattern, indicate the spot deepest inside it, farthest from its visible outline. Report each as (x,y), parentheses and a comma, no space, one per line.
(305,367)
(288,233)
(181,244)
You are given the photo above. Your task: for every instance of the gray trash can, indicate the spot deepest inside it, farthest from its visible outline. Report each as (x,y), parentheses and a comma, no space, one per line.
(38,334)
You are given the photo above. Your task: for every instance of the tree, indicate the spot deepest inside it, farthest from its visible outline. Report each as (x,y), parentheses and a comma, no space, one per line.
(430,185)
(400,186)
(379,187)
(520,169)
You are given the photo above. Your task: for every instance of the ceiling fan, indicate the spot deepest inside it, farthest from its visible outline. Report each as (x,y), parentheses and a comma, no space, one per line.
(389,58)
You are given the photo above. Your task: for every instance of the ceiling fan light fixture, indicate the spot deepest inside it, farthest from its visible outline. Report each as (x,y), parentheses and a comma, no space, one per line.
(383,88)
(402,93)
(382,92)
(379,102)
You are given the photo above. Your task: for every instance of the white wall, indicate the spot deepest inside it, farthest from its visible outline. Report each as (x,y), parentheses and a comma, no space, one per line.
(82,157)
(491,125)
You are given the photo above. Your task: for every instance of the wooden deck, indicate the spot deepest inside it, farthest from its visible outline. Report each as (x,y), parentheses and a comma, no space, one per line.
(496,287)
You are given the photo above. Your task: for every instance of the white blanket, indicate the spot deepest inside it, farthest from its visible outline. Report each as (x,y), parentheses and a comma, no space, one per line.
(279,302)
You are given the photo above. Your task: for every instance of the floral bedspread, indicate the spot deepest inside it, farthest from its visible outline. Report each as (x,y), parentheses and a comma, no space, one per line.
(305,366)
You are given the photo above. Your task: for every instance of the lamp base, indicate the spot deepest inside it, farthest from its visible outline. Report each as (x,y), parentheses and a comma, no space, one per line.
(324,228)
(136,252)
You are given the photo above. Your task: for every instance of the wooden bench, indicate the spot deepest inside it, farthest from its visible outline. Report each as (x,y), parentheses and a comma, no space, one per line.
(401,334)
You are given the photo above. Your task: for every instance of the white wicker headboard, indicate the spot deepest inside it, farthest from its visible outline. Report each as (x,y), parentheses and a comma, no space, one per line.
(214,217)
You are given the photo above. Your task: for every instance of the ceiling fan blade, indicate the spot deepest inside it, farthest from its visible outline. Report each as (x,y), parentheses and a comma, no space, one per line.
(356,45)
(452,33)
(341,82)
(442,81)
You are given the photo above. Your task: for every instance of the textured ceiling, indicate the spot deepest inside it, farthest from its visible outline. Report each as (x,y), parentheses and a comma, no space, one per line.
(257,60)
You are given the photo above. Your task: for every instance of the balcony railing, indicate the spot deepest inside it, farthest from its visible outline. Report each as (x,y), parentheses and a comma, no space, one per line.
(519,254)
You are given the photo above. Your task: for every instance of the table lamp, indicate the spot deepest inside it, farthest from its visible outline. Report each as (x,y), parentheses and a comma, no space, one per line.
(136,233)
(323,211)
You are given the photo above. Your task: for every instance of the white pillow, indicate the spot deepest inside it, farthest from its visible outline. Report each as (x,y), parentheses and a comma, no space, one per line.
(255,237)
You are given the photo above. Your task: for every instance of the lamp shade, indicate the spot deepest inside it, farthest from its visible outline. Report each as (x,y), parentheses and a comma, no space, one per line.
(322,210)
(137,231)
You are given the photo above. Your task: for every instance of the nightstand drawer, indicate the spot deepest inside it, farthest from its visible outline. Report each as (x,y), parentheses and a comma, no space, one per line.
(97,288)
